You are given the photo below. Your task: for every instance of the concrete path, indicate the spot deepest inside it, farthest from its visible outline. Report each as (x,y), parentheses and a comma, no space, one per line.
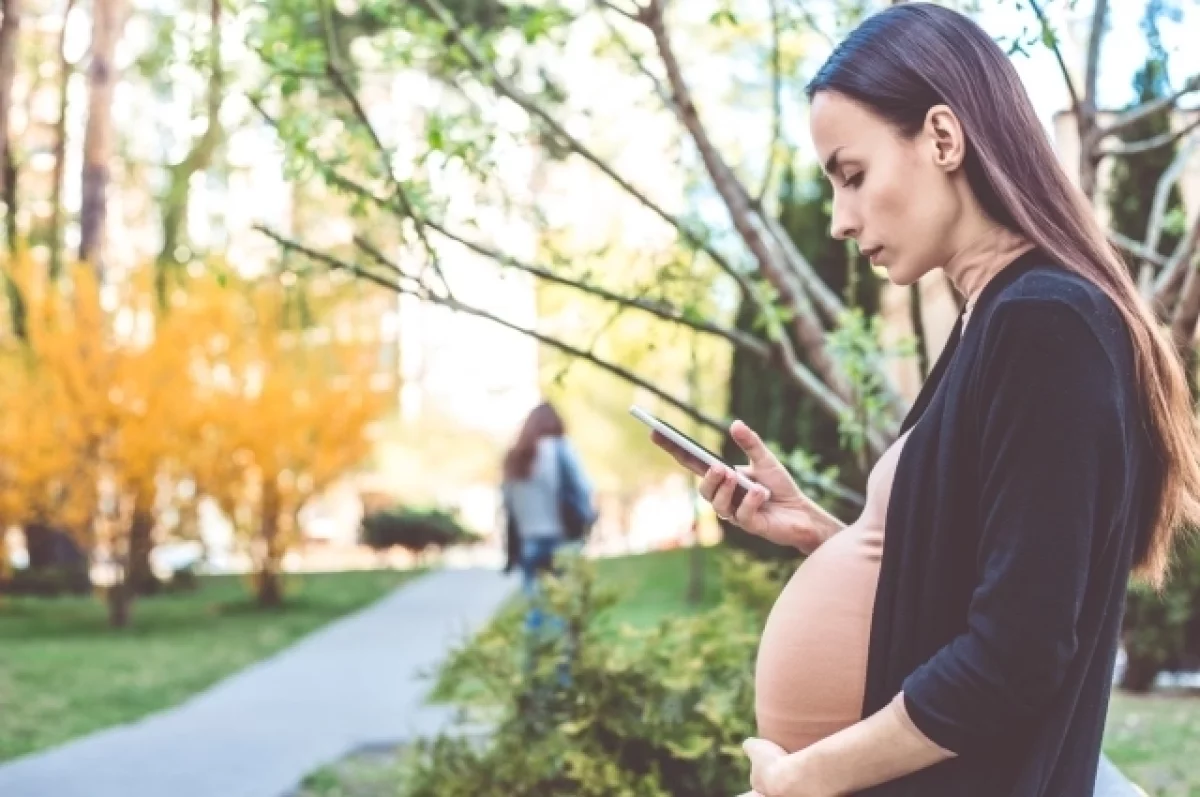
(258,733)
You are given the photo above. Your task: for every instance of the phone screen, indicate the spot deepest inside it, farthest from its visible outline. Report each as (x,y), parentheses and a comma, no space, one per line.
(690,439)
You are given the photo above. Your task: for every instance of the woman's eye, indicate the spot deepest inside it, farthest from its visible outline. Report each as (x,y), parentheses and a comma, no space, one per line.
(854,180)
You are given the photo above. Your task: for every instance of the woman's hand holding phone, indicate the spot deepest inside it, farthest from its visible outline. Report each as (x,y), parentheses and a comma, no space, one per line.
(788,518)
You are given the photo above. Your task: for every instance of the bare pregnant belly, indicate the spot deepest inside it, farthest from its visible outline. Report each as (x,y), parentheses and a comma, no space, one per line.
(812,659)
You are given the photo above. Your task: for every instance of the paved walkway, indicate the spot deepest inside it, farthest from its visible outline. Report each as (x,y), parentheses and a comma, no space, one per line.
(258,733)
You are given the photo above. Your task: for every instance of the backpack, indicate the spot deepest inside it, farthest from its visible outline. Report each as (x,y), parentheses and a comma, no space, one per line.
(574,510)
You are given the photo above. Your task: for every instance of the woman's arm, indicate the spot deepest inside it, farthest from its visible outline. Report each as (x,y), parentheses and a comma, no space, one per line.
(881,748)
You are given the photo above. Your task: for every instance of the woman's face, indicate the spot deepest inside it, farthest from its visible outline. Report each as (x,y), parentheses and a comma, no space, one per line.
(896,197)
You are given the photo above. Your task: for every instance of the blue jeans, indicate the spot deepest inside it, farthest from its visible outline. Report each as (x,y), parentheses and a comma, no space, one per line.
(537,557)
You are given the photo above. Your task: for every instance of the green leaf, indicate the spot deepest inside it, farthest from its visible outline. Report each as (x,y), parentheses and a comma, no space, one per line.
(1049,37)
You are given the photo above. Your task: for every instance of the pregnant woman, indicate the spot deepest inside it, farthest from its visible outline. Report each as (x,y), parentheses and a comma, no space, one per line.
(958,638)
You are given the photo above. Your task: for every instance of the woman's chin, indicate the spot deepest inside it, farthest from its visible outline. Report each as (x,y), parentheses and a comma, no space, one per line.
(899,274)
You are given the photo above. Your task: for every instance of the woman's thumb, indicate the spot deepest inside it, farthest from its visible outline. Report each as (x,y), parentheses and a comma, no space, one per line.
(749,441)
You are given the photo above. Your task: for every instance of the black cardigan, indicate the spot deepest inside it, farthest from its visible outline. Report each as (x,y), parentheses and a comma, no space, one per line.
(1017,501)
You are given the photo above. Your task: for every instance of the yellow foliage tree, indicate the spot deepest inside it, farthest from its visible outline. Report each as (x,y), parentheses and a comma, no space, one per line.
(95,417)
(53,411)
(286,412)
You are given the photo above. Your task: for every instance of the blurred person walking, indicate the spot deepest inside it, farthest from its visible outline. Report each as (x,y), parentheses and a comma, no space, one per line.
(547,500)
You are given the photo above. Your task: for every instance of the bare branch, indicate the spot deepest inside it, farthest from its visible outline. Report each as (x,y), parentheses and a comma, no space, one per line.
(1147,144)
(332,64)
(629,15)
(1158,214)
(776,102)
(451,303)
(1092,69)
(1135,248)
(661,309)
(1170,281)
(1135,115)
(1187,311)
(812,22)
(507,89)
(636,58)
(1058,56)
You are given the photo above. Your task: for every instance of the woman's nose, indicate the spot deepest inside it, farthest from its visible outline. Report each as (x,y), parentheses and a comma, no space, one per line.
(842,224)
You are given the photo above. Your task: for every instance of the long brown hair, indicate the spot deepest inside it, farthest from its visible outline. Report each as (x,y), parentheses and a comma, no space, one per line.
(542,421)
(903,61)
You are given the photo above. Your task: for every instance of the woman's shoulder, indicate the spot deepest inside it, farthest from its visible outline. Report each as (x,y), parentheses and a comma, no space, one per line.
(1046,296)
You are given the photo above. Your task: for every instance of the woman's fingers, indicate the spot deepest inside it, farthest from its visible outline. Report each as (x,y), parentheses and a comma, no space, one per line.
(713,479)
(750,505)
(722,500)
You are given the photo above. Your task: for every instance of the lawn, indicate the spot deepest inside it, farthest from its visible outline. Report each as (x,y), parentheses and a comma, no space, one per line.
(653,586)
(1155,741)
(64,672)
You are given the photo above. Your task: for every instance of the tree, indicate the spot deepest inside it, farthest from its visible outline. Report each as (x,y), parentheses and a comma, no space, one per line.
(285,409)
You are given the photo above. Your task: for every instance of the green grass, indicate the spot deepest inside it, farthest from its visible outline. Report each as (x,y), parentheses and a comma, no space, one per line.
(64,672)
(653,586)
(373,774)
(1155,741)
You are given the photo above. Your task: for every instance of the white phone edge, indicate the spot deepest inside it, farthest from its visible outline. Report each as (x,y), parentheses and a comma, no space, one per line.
(699,453)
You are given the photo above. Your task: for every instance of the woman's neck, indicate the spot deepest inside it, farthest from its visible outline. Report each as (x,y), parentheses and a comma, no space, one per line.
(984,256)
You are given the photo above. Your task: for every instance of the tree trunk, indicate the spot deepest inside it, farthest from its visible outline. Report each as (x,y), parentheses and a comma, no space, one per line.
(695,590)
(10,27)
(97,140)
(140,576)
(917,317)
(65,70)
(119,603)
(1140,674)
(270,592)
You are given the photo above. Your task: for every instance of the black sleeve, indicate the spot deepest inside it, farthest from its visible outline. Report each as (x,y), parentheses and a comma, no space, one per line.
(1050,454)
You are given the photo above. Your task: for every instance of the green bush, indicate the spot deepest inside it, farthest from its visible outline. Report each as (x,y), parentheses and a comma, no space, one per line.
(1161,631)
(414,529)
(183,579)
(652,713)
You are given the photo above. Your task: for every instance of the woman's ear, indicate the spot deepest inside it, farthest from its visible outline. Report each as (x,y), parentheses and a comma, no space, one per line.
(945,134)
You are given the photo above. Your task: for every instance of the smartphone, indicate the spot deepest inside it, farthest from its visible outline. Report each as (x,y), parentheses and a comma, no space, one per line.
(694,449)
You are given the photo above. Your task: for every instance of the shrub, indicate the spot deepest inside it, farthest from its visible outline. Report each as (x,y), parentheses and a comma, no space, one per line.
(651,713)
(414,529)
(1161,631)
(183,579)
